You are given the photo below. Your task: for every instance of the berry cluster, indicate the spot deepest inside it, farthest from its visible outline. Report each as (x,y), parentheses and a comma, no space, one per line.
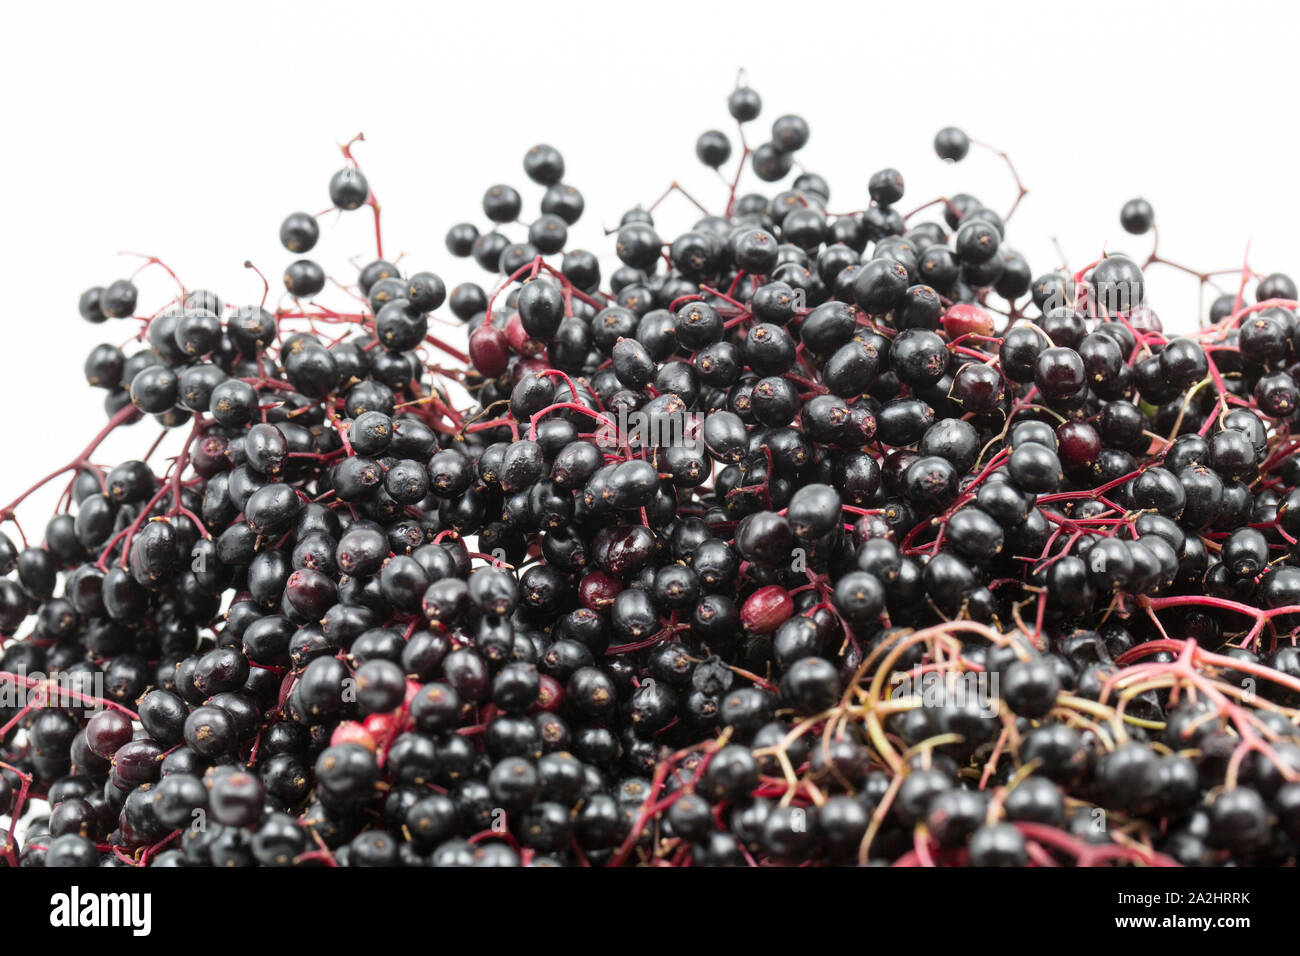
(801,538)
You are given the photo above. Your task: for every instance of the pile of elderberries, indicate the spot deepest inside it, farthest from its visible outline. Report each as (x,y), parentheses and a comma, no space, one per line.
(799,537)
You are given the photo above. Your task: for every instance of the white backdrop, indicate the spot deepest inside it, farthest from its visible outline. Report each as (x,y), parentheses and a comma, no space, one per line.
(189,134)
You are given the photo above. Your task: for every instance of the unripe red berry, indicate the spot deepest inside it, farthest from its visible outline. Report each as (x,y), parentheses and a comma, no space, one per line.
(966,318)
(766,609)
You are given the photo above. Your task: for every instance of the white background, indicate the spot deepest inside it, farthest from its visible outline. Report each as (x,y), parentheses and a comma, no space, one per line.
(189,133)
